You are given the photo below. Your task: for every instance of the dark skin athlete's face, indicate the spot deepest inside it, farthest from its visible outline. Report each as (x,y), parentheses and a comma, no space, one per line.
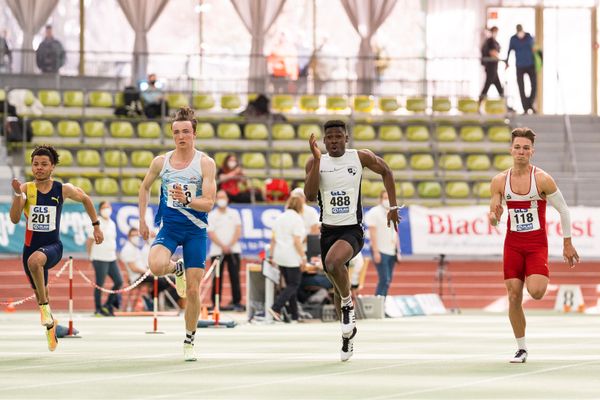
(335,140)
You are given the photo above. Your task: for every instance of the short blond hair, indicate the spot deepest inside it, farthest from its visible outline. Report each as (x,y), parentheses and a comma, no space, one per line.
(294,203)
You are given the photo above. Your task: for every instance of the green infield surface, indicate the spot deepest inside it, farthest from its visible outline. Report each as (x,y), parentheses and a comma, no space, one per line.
(437,357)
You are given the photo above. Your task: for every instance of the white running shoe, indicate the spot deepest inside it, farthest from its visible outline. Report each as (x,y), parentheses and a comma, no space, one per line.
(347,346)
(188,352)
(520,357)
(180,282)
(348,319)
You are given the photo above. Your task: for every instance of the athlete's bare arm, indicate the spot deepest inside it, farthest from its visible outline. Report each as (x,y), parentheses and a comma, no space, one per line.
(18,203)
(144,193)
(311,184)
(376,164)
(496,188)
(76,194)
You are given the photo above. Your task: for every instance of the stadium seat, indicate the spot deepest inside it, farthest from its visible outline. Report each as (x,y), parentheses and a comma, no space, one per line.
(390,133)
(115,158)
(302,159)
(283,132)
(106,186)
(282,102)
(100,99)
(429,190)
(168,130)
(499,133)
(229,131)
(281,160)
(177,100)
(29,98)
(468,106)
(503,162)
(495,107)
(417,133)
(84,183)
(155,188)
(205,130)
(220,157)
(253,160)
(256,132)
(471,133)
(445,133)
(309,103)
(416,104)
(203,101)
(121,129)
(230,102)
(405,189)
(457,190)
(131,186)
(451,162)
(482,190)
(148,130)
(65,157)
(305,130)
(478,162)
(364,104)
(422,162)
(42,127)
(49,98)
(68,128)
(388,104)
(73,98)
(88,158)
(141,158)
(363,132)
(336,103)
(119,99)
(441,104)
(93,129)
(395,161)
(2,95)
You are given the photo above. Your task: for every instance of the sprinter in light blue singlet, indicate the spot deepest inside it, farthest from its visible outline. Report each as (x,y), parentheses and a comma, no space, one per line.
(187,194)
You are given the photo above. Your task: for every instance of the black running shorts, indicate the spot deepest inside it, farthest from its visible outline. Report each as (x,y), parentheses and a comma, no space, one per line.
(353,234)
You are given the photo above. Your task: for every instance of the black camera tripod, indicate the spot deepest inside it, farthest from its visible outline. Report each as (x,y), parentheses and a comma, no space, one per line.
(442,274)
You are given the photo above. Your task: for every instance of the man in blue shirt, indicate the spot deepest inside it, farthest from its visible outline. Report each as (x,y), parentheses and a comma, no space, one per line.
(522,43)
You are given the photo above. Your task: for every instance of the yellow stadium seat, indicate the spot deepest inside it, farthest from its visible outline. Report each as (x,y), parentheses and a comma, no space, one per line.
(395,161)
(471,133)
(106,186)
(309,103)
(83,183)
(503,162)
(457,190)
(73,98)
(390,133)
(336,103)
(42,127)
(229,131)
(49,98)
(230,102)
(88,158)
(388,104)
(29,97)
(281,160)
(416,104)
(441,104)
(445,133)
(422,162)
(68,128)
(417,133)
(205,130)
(119,99)
(499,133)
(478,162)
(121,129)
(253,160)
(148,130)
(429,190)
(203,101)
(168,130)
(177,100)
(302,159)
(131,186)
(364,104)
(155,188)
(65,157)
(256,131)
(405,189)
(220,157)
(115,158)
(283,132)
(363,132)
(451,162)
(468,106)
(282,102)
(482,190)
(100,99)
(495,107)
(93,129)
(141,158)
(2,95)
(305,130)
(375,189)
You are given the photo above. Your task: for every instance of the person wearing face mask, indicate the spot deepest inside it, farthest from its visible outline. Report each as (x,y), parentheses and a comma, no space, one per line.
(224,231)
(233,181)
(522,43)
(104,260)
(154,100)
(385,245)
(490,52)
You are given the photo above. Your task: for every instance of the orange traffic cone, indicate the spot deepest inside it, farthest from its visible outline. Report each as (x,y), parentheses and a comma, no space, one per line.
(566,308)
(10,307)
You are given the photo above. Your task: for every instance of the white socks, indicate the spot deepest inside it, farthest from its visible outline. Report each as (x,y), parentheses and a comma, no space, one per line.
(347,301)
(521,343)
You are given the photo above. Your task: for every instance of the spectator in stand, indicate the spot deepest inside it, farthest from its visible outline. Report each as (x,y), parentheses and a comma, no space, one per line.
(523,45)
(153,99)
(232,180)
(50,55)
(5,54)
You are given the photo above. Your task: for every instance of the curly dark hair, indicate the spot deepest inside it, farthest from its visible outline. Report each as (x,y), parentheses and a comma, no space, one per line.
(185,114)
(46,150)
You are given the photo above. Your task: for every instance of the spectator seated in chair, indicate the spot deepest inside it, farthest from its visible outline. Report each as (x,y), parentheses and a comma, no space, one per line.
(232,180)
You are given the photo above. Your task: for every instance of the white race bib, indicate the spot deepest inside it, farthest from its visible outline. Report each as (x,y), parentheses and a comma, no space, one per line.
(189,189)
(340,202)
(42,219)
(524,219)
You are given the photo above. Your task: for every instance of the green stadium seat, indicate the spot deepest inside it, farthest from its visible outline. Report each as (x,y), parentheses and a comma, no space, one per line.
(445,133)
(68,128)
(416,104)
(155,187)
(309,103)
(168,130)
(256,131)
(119,99)
(177,100)
(42,127)
(230,102)
(49,98)
(83,183)
(303,159)
(363,132)
(88,158)
(375,189)
(457,190)
(29,98)
(219,157)
(121,129)
(148,130)
(422,162)
(495,107)
(503,162)
(482,190)
(281,160)
(205,130)
(115,158)
(65,157)
(478,162)
(141,158)
(365,187)
(336,103)
(395,161)
(451,162)
(429,190)
(93,129)
(305,130)
(499,133)
(390,133)
(388,104)
(73,98)
(405,189)
(282,102)
(203,101)
(417,133)
(364,104)
(100,99)
(468,106)
(106,187)
(251,97)
(471,133)
(229,131)
(2,95)
(253,160)
(441,104)
(131,186)
(283,132)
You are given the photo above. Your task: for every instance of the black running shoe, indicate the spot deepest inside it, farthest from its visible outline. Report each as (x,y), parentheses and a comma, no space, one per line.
(520,357)
(347,346)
